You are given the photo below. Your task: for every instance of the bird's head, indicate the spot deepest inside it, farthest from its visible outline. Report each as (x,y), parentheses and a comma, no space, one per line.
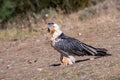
(54,29)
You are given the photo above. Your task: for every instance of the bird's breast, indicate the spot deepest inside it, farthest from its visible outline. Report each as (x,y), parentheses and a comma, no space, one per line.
(55,41)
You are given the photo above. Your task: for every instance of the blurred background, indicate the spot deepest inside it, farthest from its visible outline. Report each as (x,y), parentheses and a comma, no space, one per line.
(31,14)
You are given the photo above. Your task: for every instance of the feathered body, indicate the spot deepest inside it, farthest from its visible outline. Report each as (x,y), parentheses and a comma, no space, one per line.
(68,46)
(74,46)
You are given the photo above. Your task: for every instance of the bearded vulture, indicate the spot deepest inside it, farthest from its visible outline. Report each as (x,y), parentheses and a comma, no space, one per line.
(68,46)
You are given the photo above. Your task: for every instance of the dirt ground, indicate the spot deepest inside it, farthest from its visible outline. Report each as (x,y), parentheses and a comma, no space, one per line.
(34,58)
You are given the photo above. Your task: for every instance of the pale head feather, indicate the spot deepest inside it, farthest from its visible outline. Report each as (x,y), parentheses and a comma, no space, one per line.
(56,27)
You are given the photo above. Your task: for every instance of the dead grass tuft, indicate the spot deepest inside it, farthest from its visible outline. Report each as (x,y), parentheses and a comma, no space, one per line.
(14,35)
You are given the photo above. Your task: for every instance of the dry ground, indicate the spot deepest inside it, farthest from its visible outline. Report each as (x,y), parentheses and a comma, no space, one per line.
(33,58)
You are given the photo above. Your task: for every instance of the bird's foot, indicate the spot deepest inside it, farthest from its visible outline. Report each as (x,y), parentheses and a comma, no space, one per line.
(66,61)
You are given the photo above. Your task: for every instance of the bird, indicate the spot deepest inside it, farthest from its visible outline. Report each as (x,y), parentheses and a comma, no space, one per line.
(68,47)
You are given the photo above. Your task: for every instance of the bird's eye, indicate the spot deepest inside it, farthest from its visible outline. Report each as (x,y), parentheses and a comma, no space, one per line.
(50,23)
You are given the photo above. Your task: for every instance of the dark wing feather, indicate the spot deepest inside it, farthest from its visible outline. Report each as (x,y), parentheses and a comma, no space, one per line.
(70,45)
(74,46)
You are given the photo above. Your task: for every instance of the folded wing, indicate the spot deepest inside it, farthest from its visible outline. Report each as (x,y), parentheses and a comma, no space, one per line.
(74,46)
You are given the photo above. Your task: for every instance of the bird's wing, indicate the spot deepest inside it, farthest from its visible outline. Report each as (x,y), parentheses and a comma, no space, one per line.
(70,45)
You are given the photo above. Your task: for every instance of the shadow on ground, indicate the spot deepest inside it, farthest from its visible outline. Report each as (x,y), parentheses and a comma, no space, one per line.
(78,61)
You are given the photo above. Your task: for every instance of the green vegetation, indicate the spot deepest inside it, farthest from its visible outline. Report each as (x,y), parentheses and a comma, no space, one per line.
(7,9)
(26,13)
(11,8)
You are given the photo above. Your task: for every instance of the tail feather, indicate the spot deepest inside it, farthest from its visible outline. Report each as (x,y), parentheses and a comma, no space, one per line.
(95,51)
(102,52)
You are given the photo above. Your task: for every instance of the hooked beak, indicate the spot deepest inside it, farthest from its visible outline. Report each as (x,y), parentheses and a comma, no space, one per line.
(50,25)
(48,30)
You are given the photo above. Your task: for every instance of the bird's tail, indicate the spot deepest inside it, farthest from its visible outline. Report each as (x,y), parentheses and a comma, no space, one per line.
(95,51)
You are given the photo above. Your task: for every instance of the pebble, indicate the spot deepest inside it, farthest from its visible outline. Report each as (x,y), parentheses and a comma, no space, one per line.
(39,69)
(9,66)
(79,34)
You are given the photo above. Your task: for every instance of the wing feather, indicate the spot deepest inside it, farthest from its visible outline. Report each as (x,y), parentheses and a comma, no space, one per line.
(70,45)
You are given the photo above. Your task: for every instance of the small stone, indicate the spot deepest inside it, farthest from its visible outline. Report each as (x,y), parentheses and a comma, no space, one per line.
(46,15)
(29,62)
(9,66)
(79,34)
(39,69)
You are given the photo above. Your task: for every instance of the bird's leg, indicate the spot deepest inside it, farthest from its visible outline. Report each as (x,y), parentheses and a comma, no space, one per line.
(63,60)
(66,61)
(61,57)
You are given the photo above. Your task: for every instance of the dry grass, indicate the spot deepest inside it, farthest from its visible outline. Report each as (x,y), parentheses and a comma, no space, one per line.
(14,35)
(31,58)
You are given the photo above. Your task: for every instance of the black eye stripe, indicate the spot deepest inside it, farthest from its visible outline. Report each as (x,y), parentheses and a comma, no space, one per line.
(50,23)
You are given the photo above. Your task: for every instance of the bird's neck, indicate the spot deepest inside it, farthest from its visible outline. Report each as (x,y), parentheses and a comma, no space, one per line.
(55,34)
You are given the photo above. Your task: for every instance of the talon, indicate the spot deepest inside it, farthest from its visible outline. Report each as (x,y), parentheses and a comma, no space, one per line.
(66,61)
